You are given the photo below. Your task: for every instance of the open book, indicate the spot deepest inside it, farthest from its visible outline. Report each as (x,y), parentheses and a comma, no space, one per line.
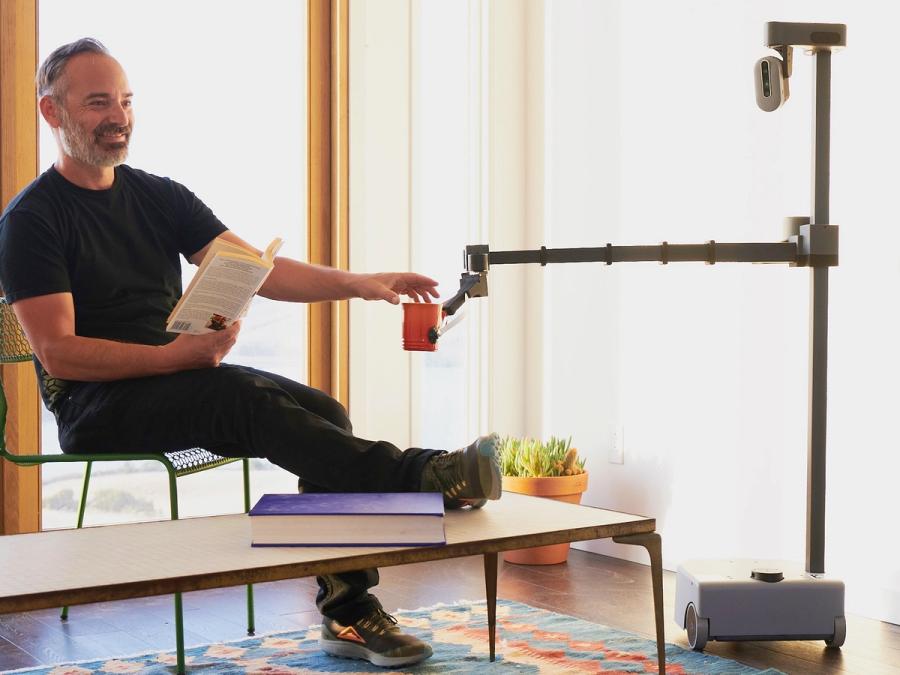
(221,290)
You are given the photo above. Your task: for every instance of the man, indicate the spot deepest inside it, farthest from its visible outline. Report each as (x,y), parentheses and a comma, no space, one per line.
(89,260)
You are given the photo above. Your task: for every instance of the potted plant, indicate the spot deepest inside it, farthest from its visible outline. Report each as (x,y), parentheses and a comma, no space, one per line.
(552,470)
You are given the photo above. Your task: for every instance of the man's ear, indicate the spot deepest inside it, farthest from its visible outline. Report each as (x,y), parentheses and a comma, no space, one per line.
(48,107)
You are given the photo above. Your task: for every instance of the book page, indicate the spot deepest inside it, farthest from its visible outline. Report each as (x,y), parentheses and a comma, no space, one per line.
(221,290)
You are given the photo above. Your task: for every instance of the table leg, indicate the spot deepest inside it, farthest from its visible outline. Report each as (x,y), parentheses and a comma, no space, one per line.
(490,587)
(652,542)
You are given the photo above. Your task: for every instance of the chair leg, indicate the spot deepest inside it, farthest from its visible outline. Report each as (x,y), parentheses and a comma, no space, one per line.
(173,492)
(251,618)
(64,614)
(179,610)
(179,634)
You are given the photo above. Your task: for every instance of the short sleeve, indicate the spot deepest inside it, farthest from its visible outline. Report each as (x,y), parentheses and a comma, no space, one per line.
(32,257)
(197,225)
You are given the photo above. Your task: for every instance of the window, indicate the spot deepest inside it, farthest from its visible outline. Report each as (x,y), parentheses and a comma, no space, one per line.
(445,210)
(220,106)
(416,202)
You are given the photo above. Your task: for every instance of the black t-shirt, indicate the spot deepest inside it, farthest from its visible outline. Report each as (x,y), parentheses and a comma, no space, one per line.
(116,251)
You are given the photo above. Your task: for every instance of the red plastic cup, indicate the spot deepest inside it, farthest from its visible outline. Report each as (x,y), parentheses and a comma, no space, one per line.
(419,318)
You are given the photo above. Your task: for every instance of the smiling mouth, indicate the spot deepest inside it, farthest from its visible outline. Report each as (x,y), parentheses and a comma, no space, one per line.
(111,132)
(116,138)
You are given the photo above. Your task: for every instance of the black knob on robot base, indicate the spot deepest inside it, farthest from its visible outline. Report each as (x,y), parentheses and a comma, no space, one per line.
(768,574)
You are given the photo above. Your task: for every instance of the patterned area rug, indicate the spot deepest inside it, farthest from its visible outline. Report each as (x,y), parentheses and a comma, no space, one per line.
(529,640)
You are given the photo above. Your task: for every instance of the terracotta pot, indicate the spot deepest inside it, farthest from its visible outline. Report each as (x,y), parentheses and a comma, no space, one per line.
(560,488)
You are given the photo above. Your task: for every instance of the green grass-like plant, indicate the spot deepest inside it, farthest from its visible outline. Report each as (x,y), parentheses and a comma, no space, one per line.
(530,458)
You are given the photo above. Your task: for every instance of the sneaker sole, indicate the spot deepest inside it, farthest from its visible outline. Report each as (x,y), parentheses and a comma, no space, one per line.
(489,466)
(349,650)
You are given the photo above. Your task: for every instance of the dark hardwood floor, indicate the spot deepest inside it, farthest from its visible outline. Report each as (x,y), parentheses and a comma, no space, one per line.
(597,588)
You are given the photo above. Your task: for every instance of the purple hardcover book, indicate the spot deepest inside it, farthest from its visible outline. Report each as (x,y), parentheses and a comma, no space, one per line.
(348,519)
(344,503)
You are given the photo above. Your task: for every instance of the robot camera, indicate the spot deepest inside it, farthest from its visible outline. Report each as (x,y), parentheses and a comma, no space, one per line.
(771,82)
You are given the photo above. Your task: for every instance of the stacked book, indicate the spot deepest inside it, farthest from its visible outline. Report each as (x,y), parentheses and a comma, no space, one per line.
(348,519)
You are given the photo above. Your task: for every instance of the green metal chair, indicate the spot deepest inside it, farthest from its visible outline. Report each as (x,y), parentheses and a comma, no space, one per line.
(14,348)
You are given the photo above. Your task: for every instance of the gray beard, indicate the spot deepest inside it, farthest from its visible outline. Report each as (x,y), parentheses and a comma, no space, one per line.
(84,147)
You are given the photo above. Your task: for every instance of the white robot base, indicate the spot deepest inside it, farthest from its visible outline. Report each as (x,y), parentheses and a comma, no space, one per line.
(757,600)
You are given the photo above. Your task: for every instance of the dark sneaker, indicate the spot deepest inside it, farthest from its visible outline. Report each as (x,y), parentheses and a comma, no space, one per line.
(374,638)
(470,475)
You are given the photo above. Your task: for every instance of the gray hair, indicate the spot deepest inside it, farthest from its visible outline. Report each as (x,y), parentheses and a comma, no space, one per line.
(52,67)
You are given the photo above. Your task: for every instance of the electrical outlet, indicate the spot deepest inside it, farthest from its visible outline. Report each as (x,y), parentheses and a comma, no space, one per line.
(617,445)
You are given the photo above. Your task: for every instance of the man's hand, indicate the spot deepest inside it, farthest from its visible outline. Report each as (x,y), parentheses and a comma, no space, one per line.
(391,285)
(202,351)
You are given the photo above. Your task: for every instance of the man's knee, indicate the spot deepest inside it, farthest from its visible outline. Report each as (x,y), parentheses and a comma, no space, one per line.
(337,415)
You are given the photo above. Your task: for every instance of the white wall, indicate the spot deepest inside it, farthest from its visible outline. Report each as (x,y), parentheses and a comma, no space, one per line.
(656,136)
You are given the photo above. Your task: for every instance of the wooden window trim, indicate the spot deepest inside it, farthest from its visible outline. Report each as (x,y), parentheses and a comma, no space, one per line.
(328,194)
(20,488)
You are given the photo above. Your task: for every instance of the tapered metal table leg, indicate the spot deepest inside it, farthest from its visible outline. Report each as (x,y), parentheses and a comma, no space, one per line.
(490,587)
(653,543)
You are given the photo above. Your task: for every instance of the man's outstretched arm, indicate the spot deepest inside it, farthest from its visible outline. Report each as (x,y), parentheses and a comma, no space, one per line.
(296,281)
(49,324)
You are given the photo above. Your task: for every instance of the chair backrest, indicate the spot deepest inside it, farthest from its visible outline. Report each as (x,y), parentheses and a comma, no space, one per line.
(14,348)
(14,345)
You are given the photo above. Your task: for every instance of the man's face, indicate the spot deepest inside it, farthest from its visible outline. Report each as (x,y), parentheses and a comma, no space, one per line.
(95,116)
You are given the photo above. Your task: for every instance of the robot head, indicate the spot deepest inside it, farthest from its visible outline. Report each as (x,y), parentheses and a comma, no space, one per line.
(771,79)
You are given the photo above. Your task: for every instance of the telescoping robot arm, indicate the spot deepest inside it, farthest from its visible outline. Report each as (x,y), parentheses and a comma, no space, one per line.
(806,245)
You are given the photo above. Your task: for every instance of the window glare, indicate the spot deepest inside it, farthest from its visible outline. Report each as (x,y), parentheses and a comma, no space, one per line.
(441,204)
(220,106)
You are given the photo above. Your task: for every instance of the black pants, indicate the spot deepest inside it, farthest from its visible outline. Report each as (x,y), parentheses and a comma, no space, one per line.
(236,411)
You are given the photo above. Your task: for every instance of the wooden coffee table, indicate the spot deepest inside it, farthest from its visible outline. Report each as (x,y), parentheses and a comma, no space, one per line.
(115,562)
